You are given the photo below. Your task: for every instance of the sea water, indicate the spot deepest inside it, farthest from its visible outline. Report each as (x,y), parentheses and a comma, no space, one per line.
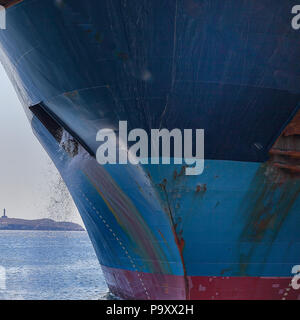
(54,265)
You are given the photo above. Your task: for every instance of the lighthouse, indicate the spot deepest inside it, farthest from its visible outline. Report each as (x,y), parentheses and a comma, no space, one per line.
(4,214)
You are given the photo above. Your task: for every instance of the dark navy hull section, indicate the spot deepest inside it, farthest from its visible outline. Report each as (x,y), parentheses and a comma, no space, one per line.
(228,67)
(225,66)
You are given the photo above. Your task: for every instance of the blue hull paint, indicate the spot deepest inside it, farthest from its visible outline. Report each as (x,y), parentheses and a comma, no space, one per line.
(229,68)
(214,220)
(87,198)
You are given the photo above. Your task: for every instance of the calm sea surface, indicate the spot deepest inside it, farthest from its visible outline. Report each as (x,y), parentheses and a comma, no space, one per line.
(49,265)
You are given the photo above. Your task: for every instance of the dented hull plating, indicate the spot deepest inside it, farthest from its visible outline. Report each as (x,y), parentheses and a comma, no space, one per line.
(226,67)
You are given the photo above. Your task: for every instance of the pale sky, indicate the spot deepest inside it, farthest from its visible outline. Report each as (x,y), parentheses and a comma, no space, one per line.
(30,186)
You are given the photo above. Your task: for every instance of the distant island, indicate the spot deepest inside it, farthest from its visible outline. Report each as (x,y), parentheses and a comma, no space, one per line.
(40,224)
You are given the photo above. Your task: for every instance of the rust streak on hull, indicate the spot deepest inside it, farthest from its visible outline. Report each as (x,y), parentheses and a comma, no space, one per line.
(285,154)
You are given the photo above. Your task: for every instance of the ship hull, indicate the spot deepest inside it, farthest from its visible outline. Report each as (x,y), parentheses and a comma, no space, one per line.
(126,284)
(248,255)
(226,67)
